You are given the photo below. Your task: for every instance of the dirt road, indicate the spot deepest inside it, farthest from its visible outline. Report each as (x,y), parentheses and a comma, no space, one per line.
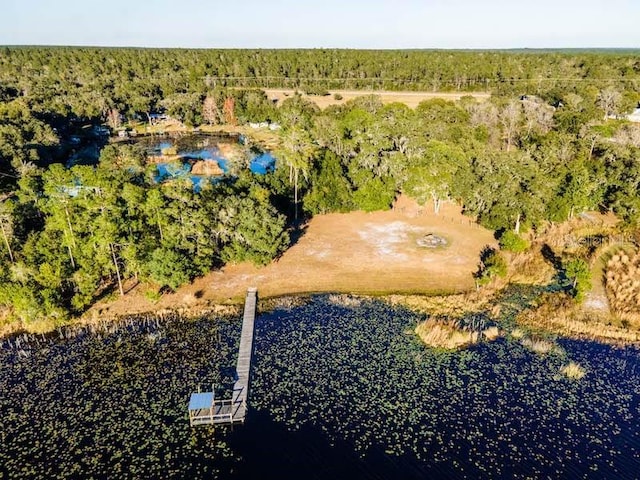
(411,99)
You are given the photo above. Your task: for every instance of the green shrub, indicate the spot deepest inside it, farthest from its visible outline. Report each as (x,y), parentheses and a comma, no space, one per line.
(492,264)
(316,90)
(169,267)
(577,277)
(152,295)
(513,242)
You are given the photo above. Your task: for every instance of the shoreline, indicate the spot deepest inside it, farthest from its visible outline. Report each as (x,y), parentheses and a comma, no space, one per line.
(429,304)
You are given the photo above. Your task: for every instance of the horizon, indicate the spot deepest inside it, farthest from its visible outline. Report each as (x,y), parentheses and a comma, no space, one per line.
(358,25)
(389,49)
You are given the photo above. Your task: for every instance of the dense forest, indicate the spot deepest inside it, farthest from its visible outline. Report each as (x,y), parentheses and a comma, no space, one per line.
(91,82)
(550,143)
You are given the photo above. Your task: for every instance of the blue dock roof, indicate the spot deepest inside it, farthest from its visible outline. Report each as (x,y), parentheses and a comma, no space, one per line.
(201,401)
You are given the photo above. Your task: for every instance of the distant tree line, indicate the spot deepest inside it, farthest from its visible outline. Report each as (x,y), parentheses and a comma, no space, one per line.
(90,82)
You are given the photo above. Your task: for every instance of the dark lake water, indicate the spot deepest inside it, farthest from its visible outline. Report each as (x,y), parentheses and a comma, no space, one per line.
(337,392)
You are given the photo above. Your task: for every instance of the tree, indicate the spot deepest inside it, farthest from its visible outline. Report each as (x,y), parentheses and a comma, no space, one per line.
(186,107)
(6,225)
(578,277)
(154,206)
(169,267)
(297,152)
(113,118)
(123,157)
(510,120)
(538,117)
(513,242)
(229,111)
(22,137)
(210,111)
(492,264)
(577,192)
(256,107)
(59,187)
(504,190)
(256,232)
(608,100)
(431,177)
(329,190)
(296,112)
(372,192)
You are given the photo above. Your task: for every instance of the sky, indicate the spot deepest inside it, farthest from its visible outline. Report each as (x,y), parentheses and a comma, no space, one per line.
(323,24)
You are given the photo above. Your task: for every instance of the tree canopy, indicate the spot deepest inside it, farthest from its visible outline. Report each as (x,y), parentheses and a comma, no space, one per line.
(79,217)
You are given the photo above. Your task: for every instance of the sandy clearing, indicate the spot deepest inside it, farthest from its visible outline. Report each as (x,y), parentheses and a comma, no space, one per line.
(411,99)
(368,253)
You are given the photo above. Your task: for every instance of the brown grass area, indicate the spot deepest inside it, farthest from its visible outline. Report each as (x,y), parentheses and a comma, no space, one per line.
(529,267)
(564,234)
(590,235)
(573,371)
(263,137)
(445,305)
(439,335)
(622,284)
(411,99)
(364,253)
(560,314)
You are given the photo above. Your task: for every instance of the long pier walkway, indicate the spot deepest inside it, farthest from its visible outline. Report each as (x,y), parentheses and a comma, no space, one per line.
(204,409)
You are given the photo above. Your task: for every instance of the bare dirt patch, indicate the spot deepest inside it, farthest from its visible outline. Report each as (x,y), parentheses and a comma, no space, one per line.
(358,252)
(411,99)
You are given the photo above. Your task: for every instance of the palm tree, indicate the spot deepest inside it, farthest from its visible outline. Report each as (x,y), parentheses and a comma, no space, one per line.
(297,152)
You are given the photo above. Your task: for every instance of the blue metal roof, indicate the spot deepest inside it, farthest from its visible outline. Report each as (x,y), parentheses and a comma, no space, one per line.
(200,401)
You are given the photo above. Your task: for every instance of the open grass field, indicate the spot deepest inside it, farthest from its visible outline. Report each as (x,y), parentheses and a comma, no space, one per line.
(367,253)
(411,99)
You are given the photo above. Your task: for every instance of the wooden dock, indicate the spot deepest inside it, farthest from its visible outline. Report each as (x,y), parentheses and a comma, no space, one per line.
(204,409)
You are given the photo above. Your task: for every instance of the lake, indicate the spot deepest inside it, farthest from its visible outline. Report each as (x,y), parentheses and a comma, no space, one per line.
(339,390)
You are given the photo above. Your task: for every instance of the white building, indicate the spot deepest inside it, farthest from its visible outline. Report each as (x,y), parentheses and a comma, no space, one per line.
(635,116)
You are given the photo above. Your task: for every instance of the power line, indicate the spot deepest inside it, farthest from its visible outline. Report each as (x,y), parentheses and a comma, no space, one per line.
(423,80)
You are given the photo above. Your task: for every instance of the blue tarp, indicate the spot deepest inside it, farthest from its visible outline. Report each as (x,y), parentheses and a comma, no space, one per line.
(201,401)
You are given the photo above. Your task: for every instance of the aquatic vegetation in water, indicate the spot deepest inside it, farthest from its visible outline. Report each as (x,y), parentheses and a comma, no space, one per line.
(345,300)
(538,345)
(112,403)
(517,333)
(456,333)
(495,409)
(491,333)
(573,371)
(440,335)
